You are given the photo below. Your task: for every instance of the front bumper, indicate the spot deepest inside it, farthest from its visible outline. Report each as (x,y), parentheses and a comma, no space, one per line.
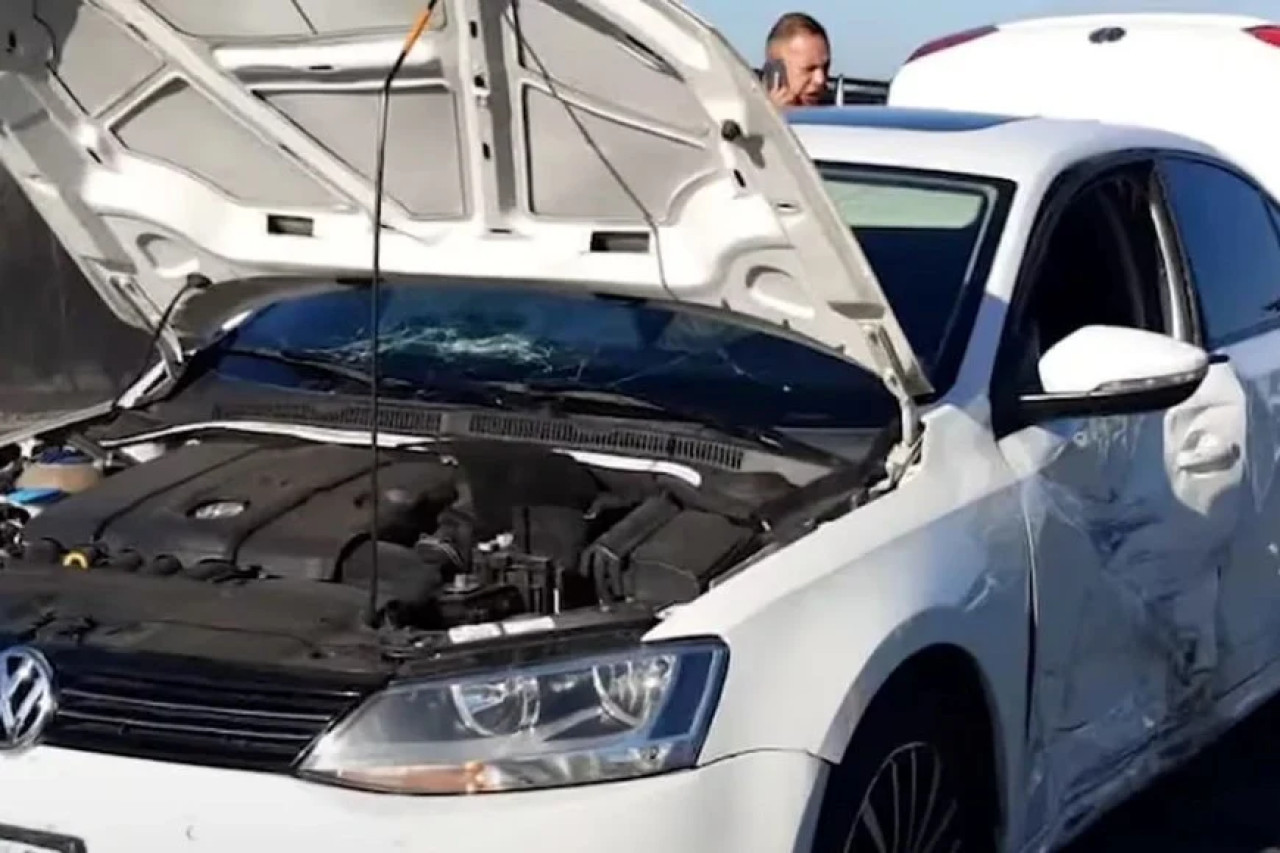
(749,804)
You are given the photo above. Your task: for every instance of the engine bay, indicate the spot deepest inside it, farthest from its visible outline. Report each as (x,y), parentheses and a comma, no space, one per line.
(252,540)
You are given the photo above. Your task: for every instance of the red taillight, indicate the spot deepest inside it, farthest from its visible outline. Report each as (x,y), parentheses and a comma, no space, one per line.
(1268,33)
(953,40)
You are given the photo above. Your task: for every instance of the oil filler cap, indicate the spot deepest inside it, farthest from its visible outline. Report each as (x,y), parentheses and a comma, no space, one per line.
(83,558)
(75,560)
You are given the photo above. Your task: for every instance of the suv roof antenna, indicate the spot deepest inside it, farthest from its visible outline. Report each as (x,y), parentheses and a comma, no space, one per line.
(375,288)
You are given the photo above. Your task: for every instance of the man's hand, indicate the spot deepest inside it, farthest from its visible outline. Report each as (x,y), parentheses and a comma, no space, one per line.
(782,96)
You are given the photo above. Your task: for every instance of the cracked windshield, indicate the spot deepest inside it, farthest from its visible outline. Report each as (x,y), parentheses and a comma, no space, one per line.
(463,343)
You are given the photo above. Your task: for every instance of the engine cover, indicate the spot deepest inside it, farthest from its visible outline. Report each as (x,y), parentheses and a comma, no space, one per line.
(288,511)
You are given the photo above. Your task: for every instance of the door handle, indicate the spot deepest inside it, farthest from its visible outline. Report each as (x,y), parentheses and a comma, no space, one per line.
(1207,454)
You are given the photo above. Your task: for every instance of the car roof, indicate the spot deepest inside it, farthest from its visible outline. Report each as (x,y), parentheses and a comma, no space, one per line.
(1112,19)
(1019,149)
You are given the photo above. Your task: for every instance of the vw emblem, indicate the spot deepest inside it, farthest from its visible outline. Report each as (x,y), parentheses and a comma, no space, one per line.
(27,697)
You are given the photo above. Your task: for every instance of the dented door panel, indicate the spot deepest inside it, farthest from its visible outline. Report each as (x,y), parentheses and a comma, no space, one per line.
(1129,545)
(1251,587)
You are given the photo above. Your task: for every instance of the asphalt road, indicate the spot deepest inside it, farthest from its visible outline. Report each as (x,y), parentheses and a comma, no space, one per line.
(1227,800)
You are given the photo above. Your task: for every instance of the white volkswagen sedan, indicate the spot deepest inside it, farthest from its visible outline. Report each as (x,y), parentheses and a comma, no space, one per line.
(893,481)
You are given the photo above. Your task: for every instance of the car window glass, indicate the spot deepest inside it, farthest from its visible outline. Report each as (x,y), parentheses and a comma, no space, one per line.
(863,204)
(1102,266)
(922,235)
(1231,247)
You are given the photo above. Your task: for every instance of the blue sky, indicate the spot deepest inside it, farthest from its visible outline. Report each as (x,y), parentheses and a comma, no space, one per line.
(871,37)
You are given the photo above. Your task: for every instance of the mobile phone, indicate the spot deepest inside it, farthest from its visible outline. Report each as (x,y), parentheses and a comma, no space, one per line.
(773,75)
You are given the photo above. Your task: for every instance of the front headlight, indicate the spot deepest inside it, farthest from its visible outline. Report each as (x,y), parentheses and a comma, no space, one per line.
(615,716)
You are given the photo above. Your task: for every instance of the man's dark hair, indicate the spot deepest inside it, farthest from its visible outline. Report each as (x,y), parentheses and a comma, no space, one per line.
(795,24)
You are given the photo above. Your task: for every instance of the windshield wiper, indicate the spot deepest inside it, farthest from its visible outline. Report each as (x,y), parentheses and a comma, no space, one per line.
(305,361)
(453,390)
(644,405)
(525,395)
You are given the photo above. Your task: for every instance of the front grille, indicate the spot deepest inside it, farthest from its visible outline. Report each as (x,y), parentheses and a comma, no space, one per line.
(241,720)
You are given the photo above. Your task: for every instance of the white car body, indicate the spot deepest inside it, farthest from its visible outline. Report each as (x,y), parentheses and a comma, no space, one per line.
(1049,573)
(1189,73)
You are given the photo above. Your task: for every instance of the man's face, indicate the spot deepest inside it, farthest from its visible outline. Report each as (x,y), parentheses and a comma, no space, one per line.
(807,59)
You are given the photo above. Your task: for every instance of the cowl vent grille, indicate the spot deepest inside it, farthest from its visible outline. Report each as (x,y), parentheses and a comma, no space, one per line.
(391,417)
(617,440)
(558,431)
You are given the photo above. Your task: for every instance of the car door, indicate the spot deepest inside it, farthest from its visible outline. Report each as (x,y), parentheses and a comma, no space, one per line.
(1129,515)
(1227,229)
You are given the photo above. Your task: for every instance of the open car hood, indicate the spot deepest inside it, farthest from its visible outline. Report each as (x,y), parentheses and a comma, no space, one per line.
(609,146)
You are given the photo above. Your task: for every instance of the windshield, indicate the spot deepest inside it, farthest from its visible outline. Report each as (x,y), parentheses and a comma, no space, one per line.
(920,234)
(929,237)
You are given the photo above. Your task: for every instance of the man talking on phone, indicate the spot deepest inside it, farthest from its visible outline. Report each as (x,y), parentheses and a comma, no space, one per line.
(797,61)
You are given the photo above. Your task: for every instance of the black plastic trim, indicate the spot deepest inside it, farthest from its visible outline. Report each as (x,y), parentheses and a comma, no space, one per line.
(193,712)
(37,839)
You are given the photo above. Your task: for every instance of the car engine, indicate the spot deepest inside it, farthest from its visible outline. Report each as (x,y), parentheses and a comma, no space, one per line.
(468,532)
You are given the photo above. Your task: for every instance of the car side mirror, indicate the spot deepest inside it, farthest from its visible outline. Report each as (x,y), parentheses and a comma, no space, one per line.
(1111,370)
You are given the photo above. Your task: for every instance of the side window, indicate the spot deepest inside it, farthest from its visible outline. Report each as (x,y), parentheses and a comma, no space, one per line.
(1231,246)
(1103,265)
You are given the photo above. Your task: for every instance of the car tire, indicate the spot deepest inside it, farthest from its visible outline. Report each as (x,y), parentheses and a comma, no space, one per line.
(911,780)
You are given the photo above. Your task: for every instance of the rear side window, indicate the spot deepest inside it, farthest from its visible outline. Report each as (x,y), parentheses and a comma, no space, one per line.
(1231,245)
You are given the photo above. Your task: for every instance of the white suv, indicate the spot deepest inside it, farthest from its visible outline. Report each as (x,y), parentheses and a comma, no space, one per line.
(865,484)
